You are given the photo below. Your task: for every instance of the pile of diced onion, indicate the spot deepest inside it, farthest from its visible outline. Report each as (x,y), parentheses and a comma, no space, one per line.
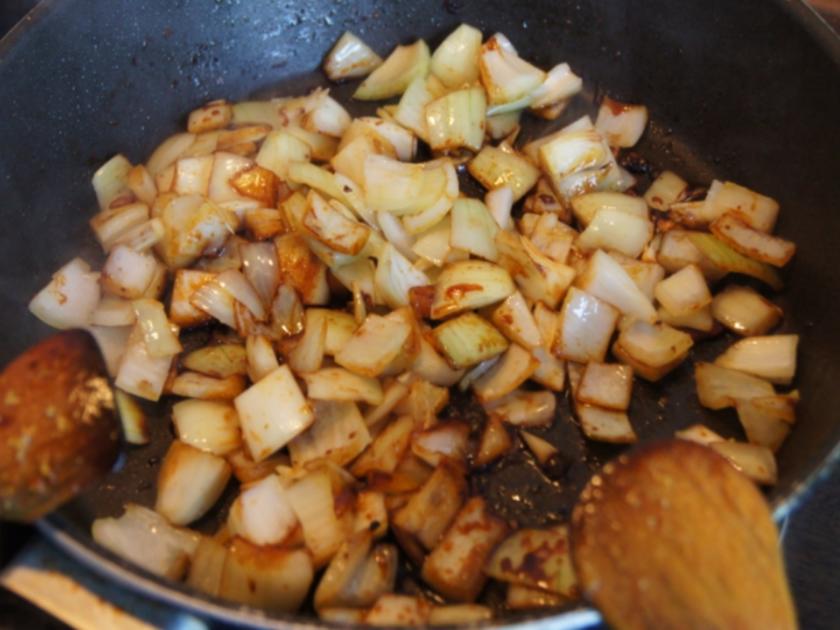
(347,286)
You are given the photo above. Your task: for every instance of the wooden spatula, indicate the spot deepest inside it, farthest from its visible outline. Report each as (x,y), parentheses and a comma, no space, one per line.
(58,430)
(671,536)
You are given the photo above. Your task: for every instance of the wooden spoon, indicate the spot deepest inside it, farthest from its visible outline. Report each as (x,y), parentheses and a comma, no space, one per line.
(671,536)
(58,430)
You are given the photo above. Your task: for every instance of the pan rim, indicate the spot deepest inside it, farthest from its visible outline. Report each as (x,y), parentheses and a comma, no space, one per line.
(89,554)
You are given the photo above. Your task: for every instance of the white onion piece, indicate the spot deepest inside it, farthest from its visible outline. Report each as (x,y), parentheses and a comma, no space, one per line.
(110,181)
(238,286)
(700,434)
(272,412)
(394,186)
(168,152)
(585,326)
(772,357)
(652,350)
(666,189)
(403,65)
(445,440)
(434,244)
(573,152)
(469,284)
(395,275)
(261,513)
(495,168)
(339,434)
(261,357)
(457,120)
(192,175)
(158,335)
(432,367)
(499,202)
(140,373)
(311,499)
(208,425)
(189,483)
(474,228)
(401,139)
(560,84)
(744,311)
(514,319)
(338,384)
(225,167)
(524,408)
(112,224)
(755,461)
(621,124)
(719,387)
(684,292)
(506,76)
(259,263)
(328,116)
(411,111)
(145,538)
(758,211)
(736,233)
(128,273)
(374,345)
(350,58)
(514,367)
(469,339)
(606,385)
(606,279)
(212,299)
(71,297)
(455,61)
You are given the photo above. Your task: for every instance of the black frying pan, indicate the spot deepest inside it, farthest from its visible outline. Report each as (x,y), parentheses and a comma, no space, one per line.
(745,90)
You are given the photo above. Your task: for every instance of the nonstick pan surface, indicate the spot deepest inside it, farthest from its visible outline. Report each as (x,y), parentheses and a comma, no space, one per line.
(747,91)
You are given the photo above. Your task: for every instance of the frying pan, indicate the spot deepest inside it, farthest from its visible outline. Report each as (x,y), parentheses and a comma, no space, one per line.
(745,90)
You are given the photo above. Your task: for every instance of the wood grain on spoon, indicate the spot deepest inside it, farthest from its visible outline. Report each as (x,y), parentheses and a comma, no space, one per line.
(58,431)
(672,536)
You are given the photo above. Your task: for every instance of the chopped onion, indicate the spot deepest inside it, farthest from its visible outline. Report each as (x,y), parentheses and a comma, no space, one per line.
(683,292)
(616,230)
(261,513)
(621,124)
(181,311)
(71,297)
(537,276)
(770,357)
(469,339)
(446,440)
(110,181)
(606,385)
(524,408)
(506,77)
(652,350)
(311,498)
(220,360)
(744,311)
(400,188)
(552,237)
(584,327)
(473,228)
(259,263)
(308,353)
(457,120)
(339,434)
(467,285)
(402,66)
(730,261)
(140,373)
(338,384)
(146,539)
(272,412)
(214,300)
(767,420)
(402,140)
(276,580)
(542,450)
(128,273)
(394,610)
(373,345)
(387,449)
(666,189)
(736,233)
(514,367)
(513,318)
(112,224)
(700,434)
(537,558)
(209,426)
(350,58)
(334,228)
(756,462)
(758,211)
(158,335)
(455,568)
(700,319)
(395,276)
(189,483)
(494,443)
(719,387)
(135,428)
(499,202)
(606,279)
(192,175)
(195,385)
(496,168)
(572,152)
(279,149)
(455,61)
